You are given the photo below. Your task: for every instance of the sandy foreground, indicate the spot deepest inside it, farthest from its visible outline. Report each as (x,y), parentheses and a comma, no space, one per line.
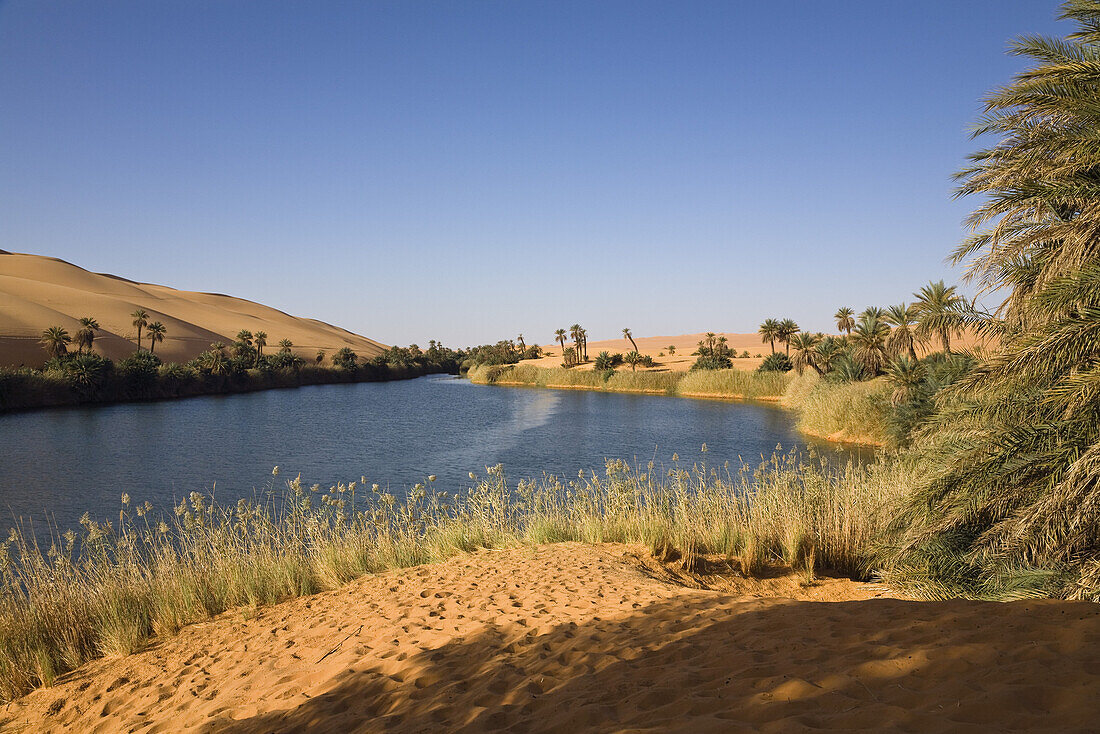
(37,292)
(576,637)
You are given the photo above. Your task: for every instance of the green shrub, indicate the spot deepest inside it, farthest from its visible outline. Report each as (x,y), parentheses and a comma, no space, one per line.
(345,359)
(712,363)
(777,362)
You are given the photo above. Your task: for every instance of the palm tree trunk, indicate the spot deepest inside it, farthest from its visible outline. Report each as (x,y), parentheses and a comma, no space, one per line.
(946,341)
(772,341)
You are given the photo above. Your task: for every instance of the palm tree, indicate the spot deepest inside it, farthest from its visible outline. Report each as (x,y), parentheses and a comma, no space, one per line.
(575,335)
(559,337)
(522,344)
(844,320)
(805,352)
(632,359)
(156,334)
(140,319)
(829,350)
(261,342)
(628,335)
(285,345)
(584,344)
(671,349)
(86,335)
(214,360)
(873,312)
(769,332)
(906,375)
(902,338)
(345,358)
(1011,494)
(56,340)
(787,330)
(708,344)
(244,336)
(869,344)
(939,311)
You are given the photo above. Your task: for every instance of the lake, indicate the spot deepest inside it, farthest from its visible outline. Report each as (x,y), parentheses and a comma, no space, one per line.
(68,461)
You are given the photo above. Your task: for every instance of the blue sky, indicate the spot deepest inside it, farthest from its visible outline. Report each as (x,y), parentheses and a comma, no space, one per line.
(467,171)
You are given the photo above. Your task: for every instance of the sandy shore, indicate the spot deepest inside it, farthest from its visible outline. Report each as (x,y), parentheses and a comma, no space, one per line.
(38,292)
(595,638)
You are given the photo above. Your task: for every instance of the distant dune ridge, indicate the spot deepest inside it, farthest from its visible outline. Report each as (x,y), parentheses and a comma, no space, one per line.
(37,292)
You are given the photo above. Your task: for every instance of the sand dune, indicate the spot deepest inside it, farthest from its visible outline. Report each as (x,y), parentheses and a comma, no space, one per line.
(654,345)
(37,292)
(595,638)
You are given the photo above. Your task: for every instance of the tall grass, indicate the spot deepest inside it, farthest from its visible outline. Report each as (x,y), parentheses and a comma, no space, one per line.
(845,411)
(111,587)
(731,383)
(734,383)
(650,382)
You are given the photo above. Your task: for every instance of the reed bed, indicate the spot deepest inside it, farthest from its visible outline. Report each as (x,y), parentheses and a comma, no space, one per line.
(729,384)
(734,384)
(857,412)
(110,587)
(649,382)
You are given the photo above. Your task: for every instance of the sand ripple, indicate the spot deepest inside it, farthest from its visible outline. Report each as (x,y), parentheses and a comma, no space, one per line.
(594,638)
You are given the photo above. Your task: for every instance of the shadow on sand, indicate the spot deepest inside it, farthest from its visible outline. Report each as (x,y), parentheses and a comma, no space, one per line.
(757,664)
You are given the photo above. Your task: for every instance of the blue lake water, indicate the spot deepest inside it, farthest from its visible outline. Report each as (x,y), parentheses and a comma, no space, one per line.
(68,461)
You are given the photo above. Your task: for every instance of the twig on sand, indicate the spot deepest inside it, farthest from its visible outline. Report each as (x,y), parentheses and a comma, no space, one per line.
(341,642)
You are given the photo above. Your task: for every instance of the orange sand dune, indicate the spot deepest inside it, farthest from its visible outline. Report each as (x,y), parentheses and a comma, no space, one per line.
(595,638)
(37,292)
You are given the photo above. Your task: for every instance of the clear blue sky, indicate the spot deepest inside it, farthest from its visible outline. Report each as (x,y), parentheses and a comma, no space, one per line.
(470,170)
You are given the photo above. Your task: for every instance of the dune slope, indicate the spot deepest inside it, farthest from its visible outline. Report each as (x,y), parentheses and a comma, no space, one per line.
(37,292)
(575,637)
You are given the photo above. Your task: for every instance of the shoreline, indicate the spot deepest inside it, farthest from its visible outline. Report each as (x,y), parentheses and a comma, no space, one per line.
(14,401)
(786,398)
(733,398)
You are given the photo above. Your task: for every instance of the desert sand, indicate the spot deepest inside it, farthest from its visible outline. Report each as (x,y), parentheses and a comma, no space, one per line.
(654,345)
(685,344)
(577,638)
(37,292)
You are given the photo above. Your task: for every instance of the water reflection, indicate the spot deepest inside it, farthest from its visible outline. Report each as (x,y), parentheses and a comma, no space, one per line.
(76,460)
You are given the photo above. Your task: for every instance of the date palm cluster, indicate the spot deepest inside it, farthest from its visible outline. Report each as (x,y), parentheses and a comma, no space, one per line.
(1012,495)
(880,341)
